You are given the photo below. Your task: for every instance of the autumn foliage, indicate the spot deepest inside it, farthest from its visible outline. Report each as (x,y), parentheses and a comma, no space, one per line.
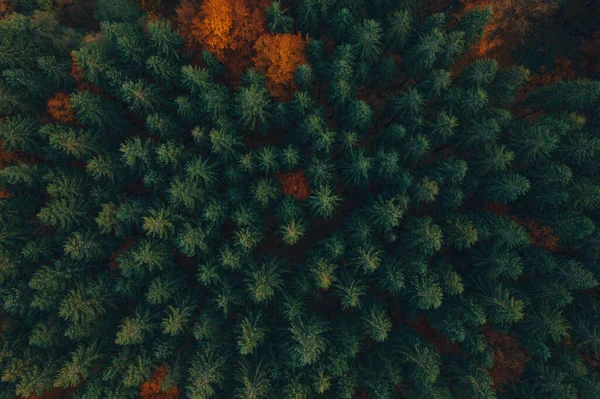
(278,56)
(213,25)
(510,358)
(235,32)
(153,389)
(60,108)
(541,236)
(512,21)
(223,27)
(5,8)
(295,184)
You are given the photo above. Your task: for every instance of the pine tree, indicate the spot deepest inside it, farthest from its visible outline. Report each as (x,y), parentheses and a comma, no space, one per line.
(398,230)
(366,40)
(253,104)
(279,22)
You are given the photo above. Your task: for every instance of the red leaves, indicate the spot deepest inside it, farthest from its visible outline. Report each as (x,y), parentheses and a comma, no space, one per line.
(234,31)
(152,389)
(511,21)
(295,184)
(541,236)
(60,108)
(212,26)
(5,8)
(278,56)
(510,358)
(223,27)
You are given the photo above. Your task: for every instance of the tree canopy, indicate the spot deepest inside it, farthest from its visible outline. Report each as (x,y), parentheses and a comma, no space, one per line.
(298,200)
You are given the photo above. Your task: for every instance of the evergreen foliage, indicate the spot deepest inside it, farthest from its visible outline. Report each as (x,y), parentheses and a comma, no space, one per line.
(325,246)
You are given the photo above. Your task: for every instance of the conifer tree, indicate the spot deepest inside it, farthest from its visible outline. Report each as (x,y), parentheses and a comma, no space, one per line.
(303,199)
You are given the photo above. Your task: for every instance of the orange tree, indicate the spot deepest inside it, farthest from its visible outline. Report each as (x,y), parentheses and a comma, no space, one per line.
(278,56)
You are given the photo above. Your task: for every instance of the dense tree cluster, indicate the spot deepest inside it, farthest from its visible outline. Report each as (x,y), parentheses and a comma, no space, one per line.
(389,230)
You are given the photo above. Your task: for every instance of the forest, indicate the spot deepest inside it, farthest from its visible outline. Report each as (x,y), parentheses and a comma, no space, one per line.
(299,199)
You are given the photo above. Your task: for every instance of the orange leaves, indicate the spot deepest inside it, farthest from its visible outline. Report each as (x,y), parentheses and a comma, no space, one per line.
(512,21)
(60,108)
(515,16)
(278,56)
(295,184)
(249,26)
(488,42)
(224,26)
(152,389)
(184,14)
(212,26)
(234,31)
(509,358)
(541,236)
(5,8)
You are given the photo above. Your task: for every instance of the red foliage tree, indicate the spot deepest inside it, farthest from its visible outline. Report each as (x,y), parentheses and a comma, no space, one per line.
(510,358)
(184,14)
(213,25)
(278,56)
(512,21)
(153,388)
(226,28)
(295,184)
(541,236)
(5,8)
(222,27)
(60,108)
